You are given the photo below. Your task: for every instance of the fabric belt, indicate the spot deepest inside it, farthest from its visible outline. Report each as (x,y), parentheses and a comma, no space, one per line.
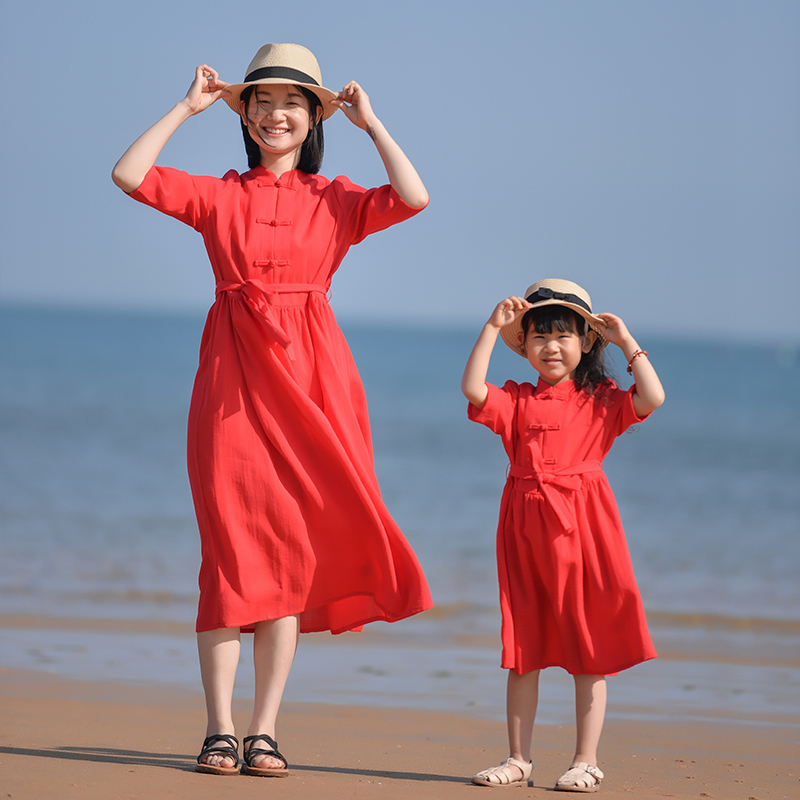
(258,296)
(556,484)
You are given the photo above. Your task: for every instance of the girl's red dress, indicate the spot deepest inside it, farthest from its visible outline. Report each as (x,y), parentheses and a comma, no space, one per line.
(279,448)
(567,591)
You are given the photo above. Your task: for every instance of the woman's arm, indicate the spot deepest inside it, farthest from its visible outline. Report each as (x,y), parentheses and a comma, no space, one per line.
(473,381)
(649,394)
(137,160)
(354,102)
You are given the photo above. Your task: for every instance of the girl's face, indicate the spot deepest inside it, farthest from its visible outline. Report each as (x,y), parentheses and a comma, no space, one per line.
(556,355)
(278,118)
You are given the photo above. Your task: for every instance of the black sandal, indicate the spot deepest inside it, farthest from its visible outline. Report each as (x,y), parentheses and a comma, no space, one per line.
(231,751)
(252,752)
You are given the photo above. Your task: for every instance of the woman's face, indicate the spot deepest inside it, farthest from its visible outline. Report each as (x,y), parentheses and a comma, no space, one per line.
(277,117)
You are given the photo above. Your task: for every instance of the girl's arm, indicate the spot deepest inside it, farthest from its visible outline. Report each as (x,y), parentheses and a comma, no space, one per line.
(354,102)
(137,160)
(649,394)
(473,382)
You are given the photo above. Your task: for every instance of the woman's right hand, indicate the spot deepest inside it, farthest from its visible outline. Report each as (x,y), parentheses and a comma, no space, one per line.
(205,90)
(138,159)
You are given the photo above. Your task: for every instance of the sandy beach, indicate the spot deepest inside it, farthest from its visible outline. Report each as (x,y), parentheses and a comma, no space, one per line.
(65,738)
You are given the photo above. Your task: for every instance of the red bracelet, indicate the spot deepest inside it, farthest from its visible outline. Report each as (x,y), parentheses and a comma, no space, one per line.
(634,357)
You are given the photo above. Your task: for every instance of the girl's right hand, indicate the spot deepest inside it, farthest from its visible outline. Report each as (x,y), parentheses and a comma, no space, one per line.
(206,89)
(508,310)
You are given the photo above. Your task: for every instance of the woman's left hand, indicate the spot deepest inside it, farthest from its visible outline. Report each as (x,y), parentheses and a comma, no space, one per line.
(355,105)
(354,102)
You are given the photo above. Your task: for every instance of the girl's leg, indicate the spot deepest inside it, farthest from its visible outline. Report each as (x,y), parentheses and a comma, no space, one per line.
(219,657)
(590,712)
(274,646)
(522,699)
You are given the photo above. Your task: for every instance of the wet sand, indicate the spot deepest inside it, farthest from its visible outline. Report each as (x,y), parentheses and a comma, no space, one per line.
(63,739)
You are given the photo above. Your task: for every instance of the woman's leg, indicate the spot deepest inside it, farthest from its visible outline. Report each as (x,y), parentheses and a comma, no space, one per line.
(522,698)
(274,646)
(219,657)
(590,712)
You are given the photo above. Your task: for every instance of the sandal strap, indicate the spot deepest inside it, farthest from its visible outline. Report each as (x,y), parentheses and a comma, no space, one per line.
(251,752)
(232,750)
(499,775)
(576,771)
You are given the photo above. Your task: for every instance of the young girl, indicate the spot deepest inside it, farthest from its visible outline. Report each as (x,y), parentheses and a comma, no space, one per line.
(294,534)
(567,591)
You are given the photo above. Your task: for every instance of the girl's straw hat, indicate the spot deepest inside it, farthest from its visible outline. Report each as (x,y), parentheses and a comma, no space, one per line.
(551,292)
(283,63)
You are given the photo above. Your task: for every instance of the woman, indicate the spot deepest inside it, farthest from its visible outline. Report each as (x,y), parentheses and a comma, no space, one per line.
(295,536)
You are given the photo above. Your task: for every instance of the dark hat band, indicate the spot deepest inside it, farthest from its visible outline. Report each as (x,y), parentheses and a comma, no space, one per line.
(548,294)
(280,72)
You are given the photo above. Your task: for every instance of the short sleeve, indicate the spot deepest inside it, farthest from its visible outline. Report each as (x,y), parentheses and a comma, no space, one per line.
(497,413)
(366,211)
(185,197)
(620,403)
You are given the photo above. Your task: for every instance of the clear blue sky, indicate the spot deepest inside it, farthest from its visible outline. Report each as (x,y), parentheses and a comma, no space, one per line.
(648,150)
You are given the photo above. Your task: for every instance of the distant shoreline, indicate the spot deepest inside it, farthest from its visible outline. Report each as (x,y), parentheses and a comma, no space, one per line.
(743,671)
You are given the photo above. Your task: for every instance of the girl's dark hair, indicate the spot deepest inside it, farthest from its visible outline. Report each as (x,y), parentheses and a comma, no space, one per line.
(313,147)
(591,371)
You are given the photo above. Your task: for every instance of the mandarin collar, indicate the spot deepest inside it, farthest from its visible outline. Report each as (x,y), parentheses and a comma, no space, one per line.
(267,176)
(563,389)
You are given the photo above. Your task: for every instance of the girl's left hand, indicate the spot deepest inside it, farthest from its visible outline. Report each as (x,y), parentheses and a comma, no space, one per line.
(354,102)
(613,329)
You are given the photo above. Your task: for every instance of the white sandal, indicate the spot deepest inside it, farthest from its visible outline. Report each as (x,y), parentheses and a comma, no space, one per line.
(580,777)
(503,775)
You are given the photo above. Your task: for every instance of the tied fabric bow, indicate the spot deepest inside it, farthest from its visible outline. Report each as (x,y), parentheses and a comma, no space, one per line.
(256,295)
(567,479)
(543,293)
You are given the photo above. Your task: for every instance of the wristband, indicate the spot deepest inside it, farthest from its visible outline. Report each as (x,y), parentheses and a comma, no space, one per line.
(634,357)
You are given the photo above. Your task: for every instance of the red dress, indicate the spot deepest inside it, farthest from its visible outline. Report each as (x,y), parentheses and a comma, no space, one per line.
(279,449)
(567,591)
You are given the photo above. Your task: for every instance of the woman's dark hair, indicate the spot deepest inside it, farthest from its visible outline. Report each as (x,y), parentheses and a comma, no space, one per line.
(591,372)
(313,147)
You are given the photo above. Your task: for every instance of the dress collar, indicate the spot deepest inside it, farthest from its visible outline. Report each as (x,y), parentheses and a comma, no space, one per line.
(563,389)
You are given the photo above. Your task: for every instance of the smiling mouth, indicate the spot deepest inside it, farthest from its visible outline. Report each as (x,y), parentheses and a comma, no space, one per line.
(269,136)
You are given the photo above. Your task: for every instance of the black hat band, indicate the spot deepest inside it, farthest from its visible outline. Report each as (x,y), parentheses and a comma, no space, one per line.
(287,73)
(548,294)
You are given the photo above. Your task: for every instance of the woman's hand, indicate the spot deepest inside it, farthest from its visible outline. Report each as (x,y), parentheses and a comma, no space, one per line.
(206,89)
(355,105)
(138,159)
(354,102)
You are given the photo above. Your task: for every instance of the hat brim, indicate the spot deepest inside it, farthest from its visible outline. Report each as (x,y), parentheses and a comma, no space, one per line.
(232,94)
(512,333)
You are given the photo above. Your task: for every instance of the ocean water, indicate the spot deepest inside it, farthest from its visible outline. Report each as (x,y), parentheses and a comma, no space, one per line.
(96,518)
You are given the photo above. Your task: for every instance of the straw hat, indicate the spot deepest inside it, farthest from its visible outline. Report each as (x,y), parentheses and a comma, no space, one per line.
(551,292)
(283,63)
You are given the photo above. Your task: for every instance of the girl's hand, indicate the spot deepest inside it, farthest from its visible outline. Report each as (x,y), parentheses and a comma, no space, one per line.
(614,329)
(206,89)
(507,311)
(649,394)
(354,102)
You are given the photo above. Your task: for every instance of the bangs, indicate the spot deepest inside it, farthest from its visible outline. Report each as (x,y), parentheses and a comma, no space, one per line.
(544,319)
